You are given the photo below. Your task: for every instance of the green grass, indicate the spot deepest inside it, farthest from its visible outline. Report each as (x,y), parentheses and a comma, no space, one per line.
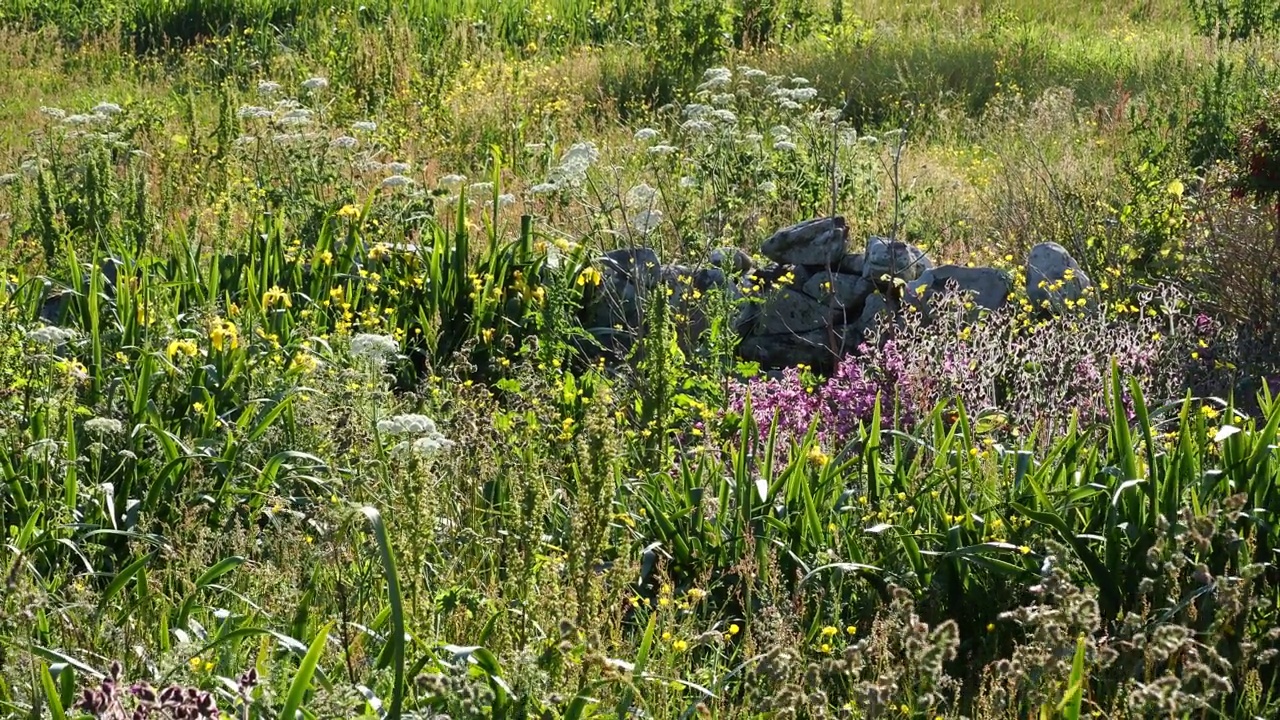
(219,472)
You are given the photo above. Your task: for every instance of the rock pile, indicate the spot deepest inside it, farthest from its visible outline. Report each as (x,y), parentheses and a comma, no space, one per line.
(817,297)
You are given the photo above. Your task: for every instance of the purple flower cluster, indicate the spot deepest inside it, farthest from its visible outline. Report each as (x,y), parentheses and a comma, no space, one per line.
(839,404)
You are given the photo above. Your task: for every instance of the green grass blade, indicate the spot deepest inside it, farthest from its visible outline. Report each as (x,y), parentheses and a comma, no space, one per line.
(302,680)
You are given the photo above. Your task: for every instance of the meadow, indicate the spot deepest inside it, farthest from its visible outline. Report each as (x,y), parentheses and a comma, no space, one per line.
(305,412)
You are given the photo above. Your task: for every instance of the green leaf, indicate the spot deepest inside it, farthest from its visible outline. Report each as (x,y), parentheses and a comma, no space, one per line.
(394,651)
(302,680)
(51,695)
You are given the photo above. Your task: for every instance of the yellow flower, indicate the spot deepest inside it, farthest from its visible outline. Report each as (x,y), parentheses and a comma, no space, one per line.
(276,295)
(734,629)
(1209,412)
(817,458)
(349,211)
(851,630)
(697,593)
(379,251)
(324,258)
(1024,549)
(185,348)
(1176,188)
(825,648)
(589,276)
(304,362)
(829,631)
(224,335)
(679,646)
(198,407)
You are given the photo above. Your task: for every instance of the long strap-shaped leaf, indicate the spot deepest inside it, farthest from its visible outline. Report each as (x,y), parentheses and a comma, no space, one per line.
(302,680)
(393,653)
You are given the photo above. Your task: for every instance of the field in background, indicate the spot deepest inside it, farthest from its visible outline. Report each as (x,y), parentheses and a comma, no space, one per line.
(300,417)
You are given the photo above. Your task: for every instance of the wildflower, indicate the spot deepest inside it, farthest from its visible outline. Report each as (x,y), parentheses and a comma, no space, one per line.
(589,276)
(53,112)
(768,186)
(1210,413)
(224,335)
(1175,188)
(679,646)
(315,83)
(641,195)
(186,348)
(851,630)
(268,87)
(343,142)
(662,149)
(734,629)
(396,181)
(825,648)
(646,134)
(716,78)
(647,221)
(349,211)
(505,200)
(101,426)
(1024,550)
(544,188)
(51,335)
(818,458)
(304,362)
(452,181)
(276,295)
(379,251)
(784,146)
(365,126)
(829,631)
(399,168)
(106,109)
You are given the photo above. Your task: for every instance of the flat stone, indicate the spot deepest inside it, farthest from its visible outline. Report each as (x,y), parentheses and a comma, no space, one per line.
(822,241)
(894,258)
(988,287)
(783,311)
(731,259)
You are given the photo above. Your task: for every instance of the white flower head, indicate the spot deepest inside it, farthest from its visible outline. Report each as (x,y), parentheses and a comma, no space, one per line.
(53,112)
(545,188)
(248,112)
(268,87)
(641,195)
(647,221)
(79,119)
(407,424)
(343,142)
(784,146)
(753,138)
(799,81)
(696,110)
(51,336)
(716,78)
(646,134)
(754,74)
(365,126)
(535,147)
(662,149)
(480,188)
(102,426)
(374,348)
(722,99)
(397,181)
(9,179)
(768,186)
(315,83)
(398,168)
(688,182)
(452,181)
(697,127)
(106,109)
(44,451)
(506,200)
(725,116)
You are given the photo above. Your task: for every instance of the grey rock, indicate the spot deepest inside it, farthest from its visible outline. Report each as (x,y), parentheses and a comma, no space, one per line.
(894,258)
(637,264)
(823,241)
(731,259)
(710,277)
(777,274)
(783,311)
(837,290)
(817,348)
(851,264)
(989,287)
(875,311)
(1048,264)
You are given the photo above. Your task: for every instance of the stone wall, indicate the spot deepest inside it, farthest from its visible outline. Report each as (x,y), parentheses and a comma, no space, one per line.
(815,300)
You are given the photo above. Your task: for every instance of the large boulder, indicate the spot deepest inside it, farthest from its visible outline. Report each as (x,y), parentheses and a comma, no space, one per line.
(638,265)
(840,291)
(988,287)
(783,311)
(1054,277)
(894,258)
(823,241)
